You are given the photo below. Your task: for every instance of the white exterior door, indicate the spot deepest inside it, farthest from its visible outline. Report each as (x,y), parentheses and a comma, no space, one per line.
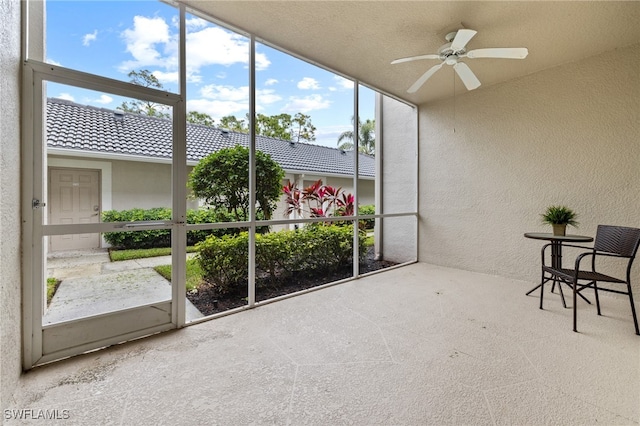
(74,198)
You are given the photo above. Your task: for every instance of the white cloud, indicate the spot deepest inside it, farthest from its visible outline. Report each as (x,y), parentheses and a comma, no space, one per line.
(192,23)
(266,97)
(270,82)
(214,45)
(66,97)
(103,99)
(222,92)
(143,41)
(308,83)
(52,62)
(217,108)
(152,43)
(166,77)
(262,62)
(342,84)
(306,104)
(88,38)
(229,94)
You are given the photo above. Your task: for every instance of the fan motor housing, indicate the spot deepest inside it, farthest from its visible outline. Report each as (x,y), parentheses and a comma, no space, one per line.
(445,51)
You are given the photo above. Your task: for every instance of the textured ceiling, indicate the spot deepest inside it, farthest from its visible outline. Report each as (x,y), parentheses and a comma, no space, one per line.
(361,38)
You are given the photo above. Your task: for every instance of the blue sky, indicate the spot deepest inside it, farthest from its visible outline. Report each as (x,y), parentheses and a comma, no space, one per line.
(112,38)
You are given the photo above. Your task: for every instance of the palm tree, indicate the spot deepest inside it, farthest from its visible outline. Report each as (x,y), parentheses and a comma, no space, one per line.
(366,138)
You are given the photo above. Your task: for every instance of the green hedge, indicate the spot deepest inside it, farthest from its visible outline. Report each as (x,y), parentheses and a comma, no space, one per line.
(368,209)
(162,237)
(312,249)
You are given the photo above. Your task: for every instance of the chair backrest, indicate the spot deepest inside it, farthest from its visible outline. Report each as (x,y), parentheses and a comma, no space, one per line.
(620,240)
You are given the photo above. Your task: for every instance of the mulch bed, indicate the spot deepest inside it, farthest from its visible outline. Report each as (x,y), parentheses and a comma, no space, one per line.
(209,302)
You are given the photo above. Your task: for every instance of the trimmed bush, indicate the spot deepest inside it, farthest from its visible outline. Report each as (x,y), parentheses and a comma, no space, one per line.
(162,237)
(314,249)
(224,260)
(368,209)
(138,239)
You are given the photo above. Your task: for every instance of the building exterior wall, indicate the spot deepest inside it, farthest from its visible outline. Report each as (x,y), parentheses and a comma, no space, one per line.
(366,188)
(129,184)
(10,249)
(494,159)
(143,185)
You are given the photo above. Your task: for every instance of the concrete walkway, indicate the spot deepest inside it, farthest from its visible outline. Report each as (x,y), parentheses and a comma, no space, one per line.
(92,284)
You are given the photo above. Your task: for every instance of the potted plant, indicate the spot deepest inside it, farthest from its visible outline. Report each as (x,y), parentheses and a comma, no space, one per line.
(559,217)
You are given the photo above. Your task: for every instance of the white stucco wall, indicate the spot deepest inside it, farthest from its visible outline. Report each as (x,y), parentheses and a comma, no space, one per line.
(143,185)
(10,279)
(129,184)
(567,135)
(399,190)
(366,193)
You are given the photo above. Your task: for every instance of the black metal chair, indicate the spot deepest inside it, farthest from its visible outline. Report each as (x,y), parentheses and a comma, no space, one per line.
(610,241)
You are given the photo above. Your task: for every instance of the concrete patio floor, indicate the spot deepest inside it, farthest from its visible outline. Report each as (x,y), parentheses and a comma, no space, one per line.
(416,345)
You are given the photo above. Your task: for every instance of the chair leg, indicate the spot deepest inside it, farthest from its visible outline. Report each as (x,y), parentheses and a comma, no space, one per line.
(575,310)
(595,289)
(633,308)
(564,304)
(541,289)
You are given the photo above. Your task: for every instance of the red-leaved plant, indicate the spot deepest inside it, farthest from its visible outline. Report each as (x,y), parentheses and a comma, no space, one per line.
(320,201)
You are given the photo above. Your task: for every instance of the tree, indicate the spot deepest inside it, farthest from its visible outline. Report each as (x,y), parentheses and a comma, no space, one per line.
(285,127)
(281,126)
(146,79)
(274,126)
(302,128)
(366,138)
(235,125)
(222,179)
(195,117)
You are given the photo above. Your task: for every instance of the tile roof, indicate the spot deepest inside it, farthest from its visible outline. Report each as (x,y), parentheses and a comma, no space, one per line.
(87,128)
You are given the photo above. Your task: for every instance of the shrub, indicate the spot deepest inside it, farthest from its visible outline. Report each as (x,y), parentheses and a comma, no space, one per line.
(224,260)
(368,209)
(156,238)
(138,239)
(222,179)
(315,248)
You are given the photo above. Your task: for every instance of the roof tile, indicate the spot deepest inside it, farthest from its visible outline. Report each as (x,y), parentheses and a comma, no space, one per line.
(93,129)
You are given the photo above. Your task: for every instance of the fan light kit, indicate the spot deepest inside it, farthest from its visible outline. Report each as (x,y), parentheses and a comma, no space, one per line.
(455,49)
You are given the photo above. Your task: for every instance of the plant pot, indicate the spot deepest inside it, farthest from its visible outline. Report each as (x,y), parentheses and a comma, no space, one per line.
(559,229)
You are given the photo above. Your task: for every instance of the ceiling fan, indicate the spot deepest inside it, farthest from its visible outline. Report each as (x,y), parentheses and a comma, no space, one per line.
(454,50)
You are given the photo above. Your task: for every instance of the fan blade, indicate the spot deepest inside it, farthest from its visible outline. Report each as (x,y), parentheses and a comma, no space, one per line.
(500,53)
(431,71)
(467,76)
(461,39)
(414,58)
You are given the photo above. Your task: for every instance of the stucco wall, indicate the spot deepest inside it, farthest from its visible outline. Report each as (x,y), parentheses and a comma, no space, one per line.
(143,185)
(366,193)
(128,184)
(568,135)
(399,190)
(10,280)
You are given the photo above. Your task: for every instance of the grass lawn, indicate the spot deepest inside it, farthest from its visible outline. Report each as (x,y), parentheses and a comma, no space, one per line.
(118,255)
(52,286)
(194,273)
